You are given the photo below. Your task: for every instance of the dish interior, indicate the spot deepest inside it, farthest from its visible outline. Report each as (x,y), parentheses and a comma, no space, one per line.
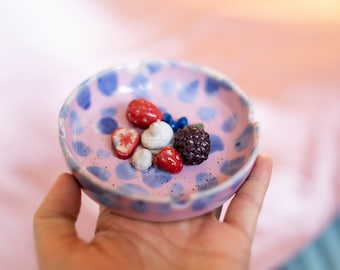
(98,106)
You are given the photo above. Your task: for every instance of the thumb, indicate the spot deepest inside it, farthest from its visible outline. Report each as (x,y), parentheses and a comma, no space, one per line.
(54,221)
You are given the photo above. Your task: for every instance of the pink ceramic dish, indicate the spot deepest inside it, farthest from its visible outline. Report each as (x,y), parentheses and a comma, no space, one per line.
(97,107)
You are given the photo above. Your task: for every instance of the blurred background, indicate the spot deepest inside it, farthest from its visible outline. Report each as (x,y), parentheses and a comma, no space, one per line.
(284,54)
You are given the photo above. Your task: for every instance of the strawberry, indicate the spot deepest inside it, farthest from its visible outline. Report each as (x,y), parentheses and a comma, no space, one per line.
(169,160)
(125,141)
(141,113)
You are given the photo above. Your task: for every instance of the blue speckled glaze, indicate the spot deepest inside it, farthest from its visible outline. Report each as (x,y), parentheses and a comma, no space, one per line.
(207,113)
(140,206)
(103,153)
(125,171)
(84,97)
(230,167)
(205,181)
(163,208)
(177,191)
(139,84)
(101,173)
(216,143)
(167,87)
(108,112)
(75,123)
(107,125)
(212,85)
(230,123)
(107,199)
(97,107)
(245,138)
(107,82)
(156,178)
(81,148)
(202,203)
(65,109)
(153,67)
(134,189)
(189,92)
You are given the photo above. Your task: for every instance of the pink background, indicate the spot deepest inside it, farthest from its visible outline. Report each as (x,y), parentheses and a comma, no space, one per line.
(285,55)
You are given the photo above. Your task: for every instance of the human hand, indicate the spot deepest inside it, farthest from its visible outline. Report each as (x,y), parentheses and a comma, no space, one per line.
(123,243)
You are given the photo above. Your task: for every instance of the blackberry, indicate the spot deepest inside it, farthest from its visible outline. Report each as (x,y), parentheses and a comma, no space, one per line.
(193,143)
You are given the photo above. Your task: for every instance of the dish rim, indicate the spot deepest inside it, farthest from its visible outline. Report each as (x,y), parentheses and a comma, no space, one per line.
(78,168)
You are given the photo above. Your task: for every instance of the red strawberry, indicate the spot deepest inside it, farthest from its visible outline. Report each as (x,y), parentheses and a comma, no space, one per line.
(169,160)
(142,113)
(125,141)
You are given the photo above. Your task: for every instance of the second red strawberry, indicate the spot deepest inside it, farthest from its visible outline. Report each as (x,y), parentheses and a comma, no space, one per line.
(169,160)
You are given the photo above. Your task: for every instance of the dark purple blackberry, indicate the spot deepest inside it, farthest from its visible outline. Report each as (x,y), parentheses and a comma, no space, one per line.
(193,143)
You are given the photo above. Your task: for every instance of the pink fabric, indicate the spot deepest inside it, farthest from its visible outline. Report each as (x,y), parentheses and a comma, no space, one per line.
(289,69)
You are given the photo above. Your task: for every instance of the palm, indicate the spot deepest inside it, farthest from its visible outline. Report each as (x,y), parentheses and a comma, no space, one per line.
(198,243)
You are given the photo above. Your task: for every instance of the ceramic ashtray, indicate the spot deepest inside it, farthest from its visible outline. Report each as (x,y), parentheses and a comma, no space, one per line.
(97,107)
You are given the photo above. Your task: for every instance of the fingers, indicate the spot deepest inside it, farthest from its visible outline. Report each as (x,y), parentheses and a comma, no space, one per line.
(245,207)
(54,221)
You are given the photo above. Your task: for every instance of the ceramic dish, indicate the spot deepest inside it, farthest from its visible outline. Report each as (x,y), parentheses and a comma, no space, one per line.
(97,107)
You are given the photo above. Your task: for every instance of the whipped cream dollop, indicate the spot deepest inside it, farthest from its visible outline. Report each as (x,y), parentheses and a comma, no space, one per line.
(141,159)
(158,135)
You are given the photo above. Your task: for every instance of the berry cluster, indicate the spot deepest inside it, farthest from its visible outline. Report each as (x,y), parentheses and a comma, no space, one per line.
(191,144)
(175,125)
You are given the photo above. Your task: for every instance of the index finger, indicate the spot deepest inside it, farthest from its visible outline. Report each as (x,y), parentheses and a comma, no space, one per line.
(54,221)
(245,207)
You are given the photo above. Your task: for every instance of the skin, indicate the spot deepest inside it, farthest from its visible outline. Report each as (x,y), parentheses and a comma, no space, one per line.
(123,243)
